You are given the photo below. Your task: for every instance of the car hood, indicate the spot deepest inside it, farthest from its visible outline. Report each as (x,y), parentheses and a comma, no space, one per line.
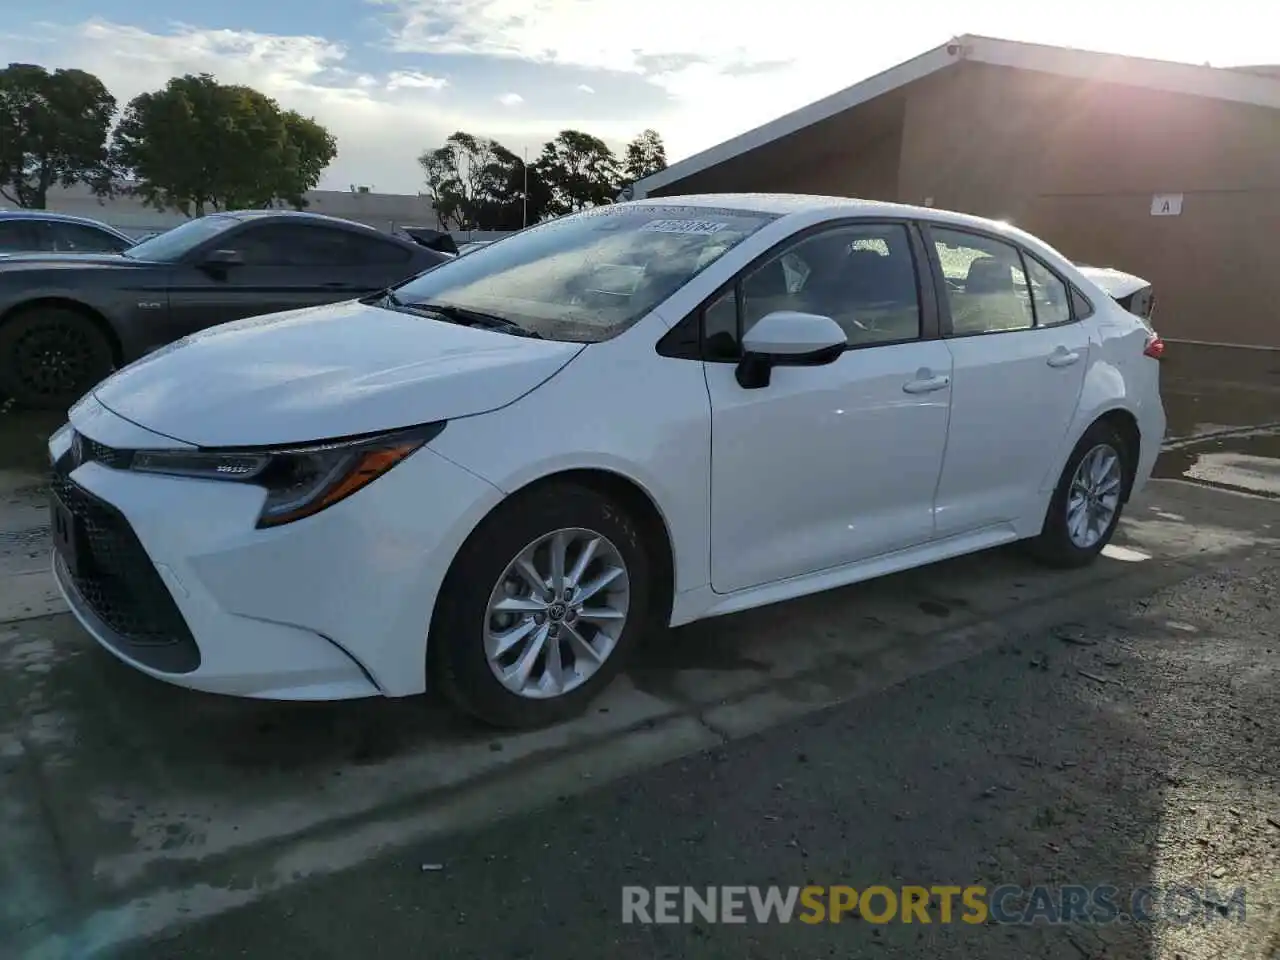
(319,373)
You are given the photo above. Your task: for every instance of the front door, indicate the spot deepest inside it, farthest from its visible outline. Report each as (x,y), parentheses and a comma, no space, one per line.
(283,267)
(1019,366)
(826,465)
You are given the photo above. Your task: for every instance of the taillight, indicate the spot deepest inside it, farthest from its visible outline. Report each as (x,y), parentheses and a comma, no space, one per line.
(1154,347)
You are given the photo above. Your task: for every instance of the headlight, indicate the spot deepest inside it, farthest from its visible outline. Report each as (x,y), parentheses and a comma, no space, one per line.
(300,481)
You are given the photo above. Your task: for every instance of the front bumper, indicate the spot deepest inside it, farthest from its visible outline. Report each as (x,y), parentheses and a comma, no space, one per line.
(181,585)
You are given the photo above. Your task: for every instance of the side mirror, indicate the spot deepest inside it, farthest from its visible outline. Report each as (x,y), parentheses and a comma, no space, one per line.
(786,338)
(221,259)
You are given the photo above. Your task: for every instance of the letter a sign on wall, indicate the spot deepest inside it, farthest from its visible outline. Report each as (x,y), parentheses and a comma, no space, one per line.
(1166,205)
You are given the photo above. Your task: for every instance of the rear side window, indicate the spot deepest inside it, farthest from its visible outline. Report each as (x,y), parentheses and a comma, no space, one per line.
(371,250)
(987,290)
(1048,293)
(1081,304)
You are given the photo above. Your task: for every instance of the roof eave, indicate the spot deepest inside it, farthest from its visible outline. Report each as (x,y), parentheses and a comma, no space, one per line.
(837,103)
(1216,83)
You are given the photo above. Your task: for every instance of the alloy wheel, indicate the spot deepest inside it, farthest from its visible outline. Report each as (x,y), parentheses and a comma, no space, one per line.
(53,359)
(556,613)
(1094,497)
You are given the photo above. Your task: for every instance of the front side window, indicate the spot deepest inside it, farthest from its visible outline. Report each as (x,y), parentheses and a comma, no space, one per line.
(987,289)
(17,236)
(862,276)
(589,276)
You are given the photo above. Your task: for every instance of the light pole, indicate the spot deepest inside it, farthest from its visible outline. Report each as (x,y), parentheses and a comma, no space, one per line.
(525,201)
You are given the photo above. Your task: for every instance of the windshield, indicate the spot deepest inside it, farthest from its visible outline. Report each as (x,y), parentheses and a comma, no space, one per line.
(174,244)
(589,276)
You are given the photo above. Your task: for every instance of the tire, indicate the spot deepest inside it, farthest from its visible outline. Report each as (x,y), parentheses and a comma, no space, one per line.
(50,357)
(457,656)
(1055,545)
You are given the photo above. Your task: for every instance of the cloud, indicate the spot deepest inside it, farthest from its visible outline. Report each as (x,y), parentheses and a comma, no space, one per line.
(585,33)
(402,79)
(511,99)
(697,72)
(382,120)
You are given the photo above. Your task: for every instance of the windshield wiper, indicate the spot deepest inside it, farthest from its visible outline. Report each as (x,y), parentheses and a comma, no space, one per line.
(383,298)
(463,316)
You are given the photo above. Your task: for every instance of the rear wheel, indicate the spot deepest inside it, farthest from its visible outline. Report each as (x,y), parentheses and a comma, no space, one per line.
(49,357)
(1087,502)
(541,607)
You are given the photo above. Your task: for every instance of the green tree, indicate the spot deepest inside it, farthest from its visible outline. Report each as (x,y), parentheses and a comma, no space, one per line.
(579,170)
(198,145)
(644,156)
(501,203)
(310,149)
(478,184)
(53,130)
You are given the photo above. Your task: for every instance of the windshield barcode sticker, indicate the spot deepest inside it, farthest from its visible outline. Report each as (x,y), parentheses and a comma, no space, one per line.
(700,227)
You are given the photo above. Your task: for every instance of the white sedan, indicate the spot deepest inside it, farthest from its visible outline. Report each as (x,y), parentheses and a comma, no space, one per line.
(497,477)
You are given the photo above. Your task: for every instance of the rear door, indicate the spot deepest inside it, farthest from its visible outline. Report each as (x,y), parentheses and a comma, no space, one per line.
(1020,359)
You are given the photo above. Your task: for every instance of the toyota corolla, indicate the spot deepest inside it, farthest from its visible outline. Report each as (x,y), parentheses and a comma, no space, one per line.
(496,478)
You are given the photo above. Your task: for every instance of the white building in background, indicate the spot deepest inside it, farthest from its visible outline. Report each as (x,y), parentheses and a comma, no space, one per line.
(385,211)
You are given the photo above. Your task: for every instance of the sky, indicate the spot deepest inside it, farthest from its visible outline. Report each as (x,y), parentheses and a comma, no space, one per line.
(392,78)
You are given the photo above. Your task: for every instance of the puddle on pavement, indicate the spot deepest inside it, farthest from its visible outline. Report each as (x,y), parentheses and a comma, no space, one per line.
(1194,409)
(1250,464)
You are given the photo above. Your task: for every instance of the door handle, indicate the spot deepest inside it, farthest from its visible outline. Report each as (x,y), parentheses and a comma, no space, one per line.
(926,386)
(339,285)
(1064,358)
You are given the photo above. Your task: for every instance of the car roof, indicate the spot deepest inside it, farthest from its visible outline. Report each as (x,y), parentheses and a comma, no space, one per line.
(784,204)
(50,215)
(304,216)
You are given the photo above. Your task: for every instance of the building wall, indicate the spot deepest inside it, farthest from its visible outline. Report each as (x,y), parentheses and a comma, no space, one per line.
(385,211)
(1077,163)
(854,154)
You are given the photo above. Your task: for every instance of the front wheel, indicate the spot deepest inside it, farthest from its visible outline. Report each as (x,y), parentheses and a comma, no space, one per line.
(1087,502)
(49,357)
(540,607)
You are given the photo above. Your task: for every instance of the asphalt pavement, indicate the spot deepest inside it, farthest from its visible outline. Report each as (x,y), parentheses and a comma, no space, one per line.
(1135,746)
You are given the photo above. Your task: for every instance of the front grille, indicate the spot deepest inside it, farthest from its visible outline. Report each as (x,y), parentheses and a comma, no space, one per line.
(121,586)
(87,450)
(107,456)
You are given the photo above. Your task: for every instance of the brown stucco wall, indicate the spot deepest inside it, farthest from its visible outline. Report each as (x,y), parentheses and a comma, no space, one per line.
(855,154)
(1075,162)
